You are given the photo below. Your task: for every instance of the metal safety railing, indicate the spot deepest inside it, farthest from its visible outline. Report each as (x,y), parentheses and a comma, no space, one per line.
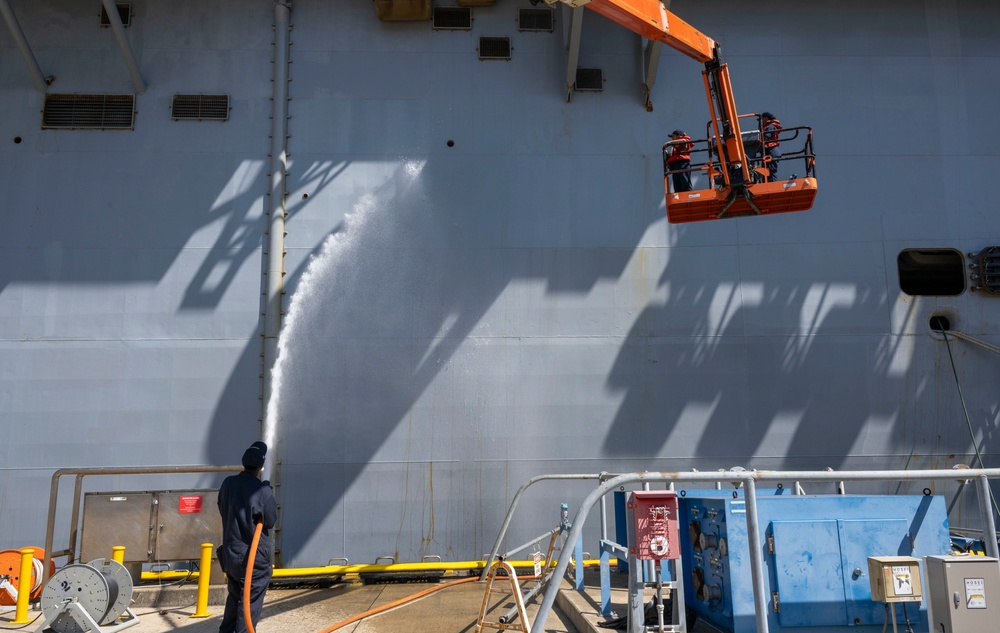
(500,564)
(78,491)
(748,479)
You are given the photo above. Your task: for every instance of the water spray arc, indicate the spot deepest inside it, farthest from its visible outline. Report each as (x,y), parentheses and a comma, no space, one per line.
(276,227)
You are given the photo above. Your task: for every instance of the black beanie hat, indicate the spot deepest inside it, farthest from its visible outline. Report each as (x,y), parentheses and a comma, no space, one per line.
(253,457)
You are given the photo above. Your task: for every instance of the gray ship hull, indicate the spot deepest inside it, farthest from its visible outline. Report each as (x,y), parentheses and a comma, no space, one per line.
(481,283)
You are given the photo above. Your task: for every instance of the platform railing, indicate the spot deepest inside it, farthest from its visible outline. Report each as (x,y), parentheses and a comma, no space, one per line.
(748,479)
(78,491)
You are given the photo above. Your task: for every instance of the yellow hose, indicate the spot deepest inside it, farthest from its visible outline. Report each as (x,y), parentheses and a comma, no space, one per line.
(249,576)
(343,570)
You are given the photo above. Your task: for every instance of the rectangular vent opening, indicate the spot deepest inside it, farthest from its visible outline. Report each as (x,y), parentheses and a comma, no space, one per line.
(92,112)
(124,12)
(452,18)
(494,48)
(200,108)
(589,80)
(535,19)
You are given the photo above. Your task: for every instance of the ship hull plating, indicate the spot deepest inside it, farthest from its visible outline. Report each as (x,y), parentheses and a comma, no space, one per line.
(481,282)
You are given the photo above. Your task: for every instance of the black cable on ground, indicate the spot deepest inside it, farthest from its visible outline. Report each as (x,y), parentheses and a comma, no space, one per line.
(10,627)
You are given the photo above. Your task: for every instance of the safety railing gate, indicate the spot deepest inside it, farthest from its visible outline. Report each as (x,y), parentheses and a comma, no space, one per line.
(740,478)
(516,618)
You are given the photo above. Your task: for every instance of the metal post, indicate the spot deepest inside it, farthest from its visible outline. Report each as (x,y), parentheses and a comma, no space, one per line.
(275,255)
(636,607)
(74,520)
(204,577)
(756,555)
(651,62)
(24,587)
(22,45)
(989,526)
(578,552)
(604,520)
(573,46)
(124,46)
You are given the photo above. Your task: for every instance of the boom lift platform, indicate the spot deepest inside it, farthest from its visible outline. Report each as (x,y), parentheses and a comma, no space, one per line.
(735,166)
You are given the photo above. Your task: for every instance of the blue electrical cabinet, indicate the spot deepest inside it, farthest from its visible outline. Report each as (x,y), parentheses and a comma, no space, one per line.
(815,550)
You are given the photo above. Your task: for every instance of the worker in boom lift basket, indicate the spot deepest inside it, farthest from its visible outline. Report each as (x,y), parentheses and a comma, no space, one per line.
(771,128)
(679,161)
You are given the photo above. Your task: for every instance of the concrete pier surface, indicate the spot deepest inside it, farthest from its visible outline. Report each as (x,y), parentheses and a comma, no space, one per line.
(315,608)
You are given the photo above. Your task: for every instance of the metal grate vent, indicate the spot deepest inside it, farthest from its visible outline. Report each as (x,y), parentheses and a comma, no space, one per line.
(124,12)
(200,108)
(494,48)
(535,19)
(97,112)
(589,80)
(986,270)
(452,18)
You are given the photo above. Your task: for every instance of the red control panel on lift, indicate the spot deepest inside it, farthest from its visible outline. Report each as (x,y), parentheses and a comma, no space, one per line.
(655,534)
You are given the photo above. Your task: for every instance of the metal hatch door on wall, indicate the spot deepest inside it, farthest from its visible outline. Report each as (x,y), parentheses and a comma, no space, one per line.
(185,520)
(119,518)
(816,565)
(860,539)
(166,525)
(809,575)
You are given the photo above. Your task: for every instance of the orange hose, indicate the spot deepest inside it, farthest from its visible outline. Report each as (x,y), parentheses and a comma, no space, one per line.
(395,604)
(251,558)
(361,616)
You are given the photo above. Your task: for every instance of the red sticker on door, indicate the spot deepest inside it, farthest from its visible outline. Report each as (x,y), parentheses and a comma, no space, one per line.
(190,505)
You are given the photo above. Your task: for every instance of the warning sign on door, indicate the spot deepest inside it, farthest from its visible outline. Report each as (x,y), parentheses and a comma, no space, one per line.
(975,593)
(190,505)
(901,580)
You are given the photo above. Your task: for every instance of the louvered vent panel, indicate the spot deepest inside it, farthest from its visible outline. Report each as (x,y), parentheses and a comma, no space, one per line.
(534,19)
(452,18)
(99,112)
(200,108)
(589,80)
(494,48)
(124,12)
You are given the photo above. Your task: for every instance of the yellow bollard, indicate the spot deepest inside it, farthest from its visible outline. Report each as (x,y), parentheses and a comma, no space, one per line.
(118,554)
(204,574)
(24,587)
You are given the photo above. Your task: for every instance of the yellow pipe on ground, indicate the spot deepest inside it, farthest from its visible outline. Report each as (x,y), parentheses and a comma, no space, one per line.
(342,570)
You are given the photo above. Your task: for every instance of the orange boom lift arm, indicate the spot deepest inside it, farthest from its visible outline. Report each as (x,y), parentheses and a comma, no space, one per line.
(736,167)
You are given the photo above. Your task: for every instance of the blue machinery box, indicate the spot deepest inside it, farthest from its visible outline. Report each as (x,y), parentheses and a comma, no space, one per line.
(815,550)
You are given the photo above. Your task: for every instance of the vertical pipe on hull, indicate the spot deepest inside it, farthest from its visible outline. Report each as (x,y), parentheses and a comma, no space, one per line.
(573,47)
(275,253)
(22,45)
(124,46)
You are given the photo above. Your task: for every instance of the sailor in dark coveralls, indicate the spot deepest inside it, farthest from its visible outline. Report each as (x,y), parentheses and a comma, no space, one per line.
(244,501)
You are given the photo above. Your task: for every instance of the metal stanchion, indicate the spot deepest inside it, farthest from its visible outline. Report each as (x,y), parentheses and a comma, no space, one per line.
(204,574)
(24,587)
